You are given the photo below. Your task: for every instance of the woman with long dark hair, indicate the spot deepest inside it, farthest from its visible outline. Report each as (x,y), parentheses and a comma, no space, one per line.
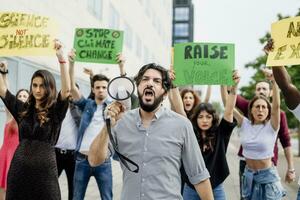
(213,138)
(33,171)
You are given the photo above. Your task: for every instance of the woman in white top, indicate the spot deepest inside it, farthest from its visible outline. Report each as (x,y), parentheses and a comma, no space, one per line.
(258,135)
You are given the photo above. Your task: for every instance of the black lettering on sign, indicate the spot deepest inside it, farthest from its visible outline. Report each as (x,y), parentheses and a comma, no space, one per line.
(215,52)
(279,56)
(197,52)
(187,52)
(296,50)
(223,51)
(293,31)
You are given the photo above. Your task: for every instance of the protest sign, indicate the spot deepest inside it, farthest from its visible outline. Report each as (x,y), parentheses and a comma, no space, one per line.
(286,36)
(26,34)
(98,45)
(203,63)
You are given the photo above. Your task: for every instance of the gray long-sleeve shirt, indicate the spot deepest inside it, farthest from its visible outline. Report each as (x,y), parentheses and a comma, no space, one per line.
(158,150)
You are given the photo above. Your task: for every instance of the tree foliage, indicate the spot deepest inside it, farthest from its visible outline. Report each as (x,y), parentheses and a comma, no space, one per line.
(259,63)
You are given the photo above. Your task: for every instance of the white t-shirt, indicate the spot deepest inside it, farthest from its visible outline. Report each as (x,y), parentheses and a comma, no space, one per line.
(93,129)
(68,133)
(257,140)
(296,112)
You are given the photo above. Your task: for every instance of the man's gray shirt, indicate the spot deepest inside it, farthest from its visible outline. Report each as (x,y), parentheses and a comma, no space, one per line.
(158,150)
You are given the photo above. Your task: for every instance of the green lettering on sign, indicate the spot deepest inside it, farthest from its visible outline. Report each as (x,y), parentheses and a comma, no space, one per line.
(98,45)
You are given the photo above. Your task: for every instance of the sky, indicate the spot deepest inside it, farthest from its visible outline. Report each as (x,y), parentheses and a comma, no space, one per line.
(241,22)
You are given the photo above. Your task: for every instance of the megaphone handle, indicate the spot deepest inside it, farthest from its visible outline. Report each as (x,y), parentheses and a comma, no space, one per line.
(123,158)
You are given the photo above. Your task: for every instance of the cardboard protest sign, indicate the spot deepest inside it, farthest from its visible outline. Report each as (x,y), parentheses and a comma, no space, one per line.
(26,34)
(203,63)
(98,45)
(286,36)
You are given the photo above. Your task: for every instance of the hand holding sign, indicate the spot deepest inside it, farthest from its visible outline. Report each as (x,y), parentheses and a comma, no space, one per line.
(286,34)
(121,61)
(71,56)
(3,66)
(59,51)
(268,74)
(269,46)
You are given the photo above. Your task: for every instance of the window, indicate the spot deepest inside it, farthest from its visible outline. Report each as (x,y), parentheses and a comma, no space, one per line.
(182,1)
(181,29)
(114,18)
(181,41)
(95,8)
(181,14)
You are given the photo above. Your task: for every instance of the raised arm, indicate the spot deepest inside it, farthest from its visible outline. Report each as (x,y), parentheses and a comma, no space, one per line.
(3,86)
(99,148)
(208,94)
(231,98)
(121,62)
(224,95)
(275,111)
(174,96)
(76,95)
(5,79)
(290,93)
(64,77)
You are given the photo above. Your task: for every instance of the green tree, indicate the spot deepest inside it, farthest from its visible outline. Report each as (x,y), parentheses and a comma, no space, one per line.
(259,63)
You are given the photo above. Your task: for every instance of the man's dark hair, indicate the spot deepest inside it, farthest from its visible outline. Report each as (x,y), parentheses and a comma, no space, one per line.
(166,81)
(99,77)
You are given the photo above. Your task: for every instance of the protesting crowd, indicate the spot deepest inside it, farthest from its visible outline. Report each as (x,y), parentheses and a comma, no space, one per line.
(165,153)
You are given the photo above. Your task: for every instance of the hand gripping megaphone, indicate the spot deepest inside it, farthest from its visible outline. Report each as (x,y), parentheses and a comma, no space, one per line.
(121,89)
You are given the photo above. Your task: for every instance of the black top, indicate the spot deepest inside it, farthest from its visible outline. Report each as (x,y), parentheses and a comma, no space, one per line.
(215,160)
(29,126)
(33,171)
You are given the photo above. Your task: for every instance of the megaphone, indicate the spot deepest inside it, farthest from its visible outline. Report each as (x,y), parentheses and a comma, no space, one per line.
(121,89)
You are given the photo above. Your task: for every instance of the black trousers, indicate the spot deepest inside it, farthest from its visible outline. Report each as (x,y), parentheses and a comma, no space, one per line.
(65,160)
(241,172)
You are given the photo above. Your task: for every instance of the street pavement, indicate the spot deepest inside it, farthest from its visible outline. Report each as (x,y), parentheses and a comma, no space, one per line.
(231,184)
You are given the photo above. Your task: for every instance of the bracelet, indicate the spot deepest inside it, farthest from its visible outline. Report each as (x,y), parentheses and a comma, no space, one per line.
(4,72)
(62,61)
(291,170)
(122,75)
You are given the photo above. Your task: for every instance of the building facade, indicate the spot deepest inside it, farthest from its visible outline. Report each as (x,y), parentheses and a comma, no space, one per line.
(183,21)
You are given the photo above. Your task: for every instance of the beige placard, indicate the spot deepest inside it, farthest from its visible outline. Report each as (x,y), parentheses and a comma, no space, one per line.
(286,36)
(26,34)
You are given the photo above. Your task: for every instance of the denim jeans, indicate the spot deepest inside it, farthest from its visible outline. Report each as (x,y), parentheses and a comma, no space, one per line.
(262,184)
(298,195)
(102,174)
(191,194)
(241,172)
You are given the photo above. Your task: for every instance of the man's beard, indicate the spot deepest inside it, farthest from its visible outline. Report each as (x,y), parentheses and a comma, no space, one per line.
(150,107)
